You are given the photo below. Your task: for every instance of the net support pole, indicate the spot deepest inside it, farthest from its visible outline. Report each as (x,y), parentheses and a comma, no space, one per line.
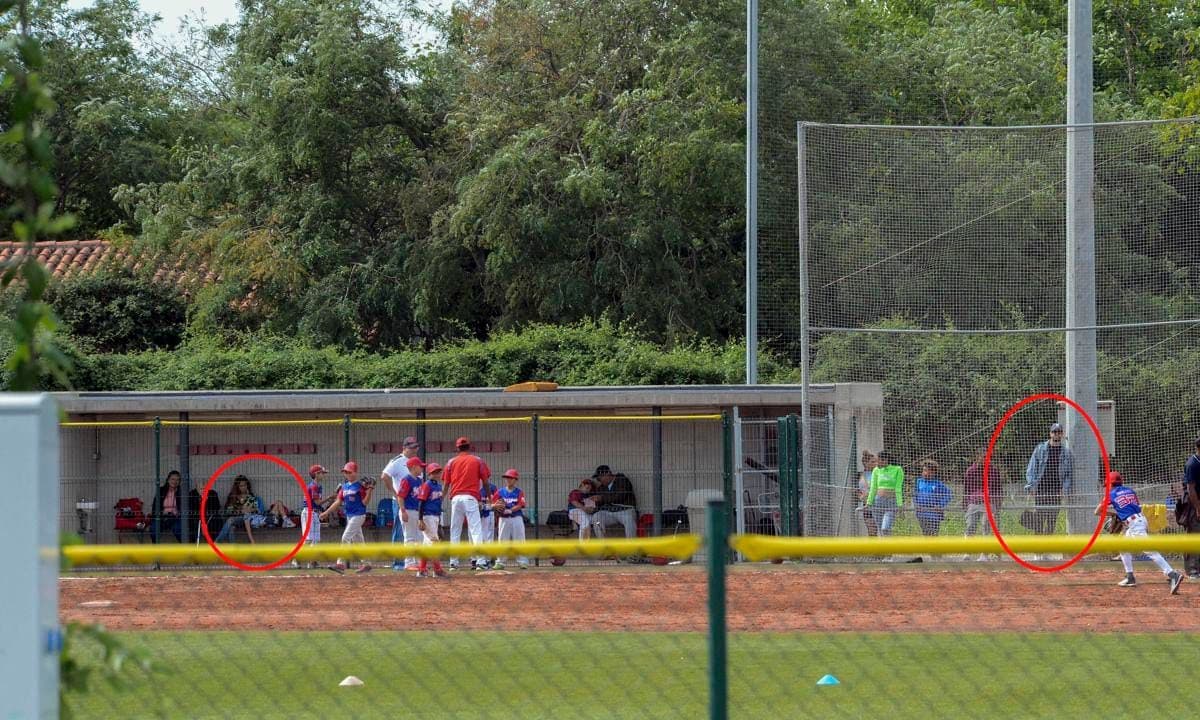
(802,250)
(1080,378)
(751,192)
(534,425)
(346,424)
(718,685)
(29,623)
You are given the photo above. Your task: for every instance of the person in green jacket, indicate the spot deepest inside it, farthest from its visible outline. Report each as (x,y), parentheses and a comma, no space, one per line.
(886,493)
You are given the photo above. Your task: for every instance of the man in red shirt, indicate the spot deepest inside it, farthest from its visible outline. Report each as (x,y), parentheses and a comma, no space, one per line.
(462,479)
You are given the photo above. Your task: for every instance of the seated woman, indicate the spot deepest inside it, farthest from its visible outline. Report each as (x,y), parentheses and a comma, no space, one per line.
(168,504)
(242,507)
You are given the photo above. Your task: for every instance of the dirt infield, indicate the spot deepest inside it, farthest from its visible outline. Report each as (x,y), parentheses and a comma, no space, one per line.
(640,599)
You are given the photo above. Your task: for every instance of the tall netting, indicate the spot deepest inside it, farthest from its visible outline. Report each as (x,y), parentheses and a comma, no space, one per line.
(936,267)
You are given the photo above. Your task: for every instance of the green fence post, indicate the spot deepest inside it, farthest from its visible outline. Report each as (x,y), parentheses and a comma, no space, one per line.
(158,477)
(782,441)
(727,475)
(718,543)
(796,482)
(346,438)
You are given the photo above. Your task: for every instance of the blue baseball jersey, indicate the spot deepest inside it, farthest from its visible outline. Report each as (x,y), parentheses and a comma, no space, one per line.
(351,494)
(513,498)
(313,492)
(431,492)
(1124,502)
(486,492)
(408,491)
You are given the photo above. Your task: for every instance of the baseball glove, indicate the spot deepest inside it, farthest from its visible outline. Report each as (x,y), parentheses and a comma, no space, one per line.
(1113,525)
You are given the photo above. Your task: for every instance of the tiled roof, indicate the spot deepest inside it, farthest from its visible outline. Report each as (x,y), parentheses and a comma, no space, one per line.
(72,258)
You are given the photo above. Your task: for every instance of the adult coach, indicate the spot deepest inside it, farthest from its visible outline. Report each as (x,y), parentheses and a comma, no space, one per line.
(616,502)
(1047,477)
(1191,519)
(404,485)
(462,478)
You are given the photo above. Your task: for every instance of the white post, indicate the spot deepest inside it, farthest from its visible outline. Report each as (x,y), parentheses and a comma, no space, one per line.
(1080,378)
(29,653)
(751,193)
(802,250)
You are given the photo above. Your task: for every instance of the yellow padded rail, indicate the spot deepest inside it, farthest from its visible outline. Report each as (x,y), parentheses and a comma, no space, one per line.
(764,547)
(677,546)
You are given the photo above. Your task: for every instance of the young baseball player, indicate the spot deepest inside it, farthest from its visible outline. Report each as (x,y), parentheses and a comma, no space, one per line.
(353,494)
(314,497)
(509,502)
(399,475)
(487,519)
(581,505)
(429,513)
(1123,502)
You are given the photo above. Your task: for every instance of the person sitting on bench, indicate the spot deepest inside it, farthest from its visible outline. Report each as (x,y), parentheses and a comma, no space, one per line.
(615,502)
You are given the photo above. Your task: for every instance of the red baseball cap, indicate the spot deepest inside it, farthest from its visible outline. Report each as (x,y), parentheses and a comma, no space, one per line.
(350,467)
(512,473)
(432,468)
(1115,478)
(462,442)
(415,461)
(312,471)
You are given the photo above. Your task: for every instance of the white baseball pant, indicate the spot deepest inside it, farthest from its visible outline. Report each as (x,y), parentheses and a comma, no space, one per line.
(512,529)
(353,532)
(627,518)
(583,519)
(412,535)
(307,519)
(430,535)
(1135,526)
(464,507)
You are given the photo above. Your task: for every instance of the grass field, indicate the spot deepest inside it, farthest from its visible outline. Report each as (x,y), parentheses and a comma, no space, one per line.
(481,674)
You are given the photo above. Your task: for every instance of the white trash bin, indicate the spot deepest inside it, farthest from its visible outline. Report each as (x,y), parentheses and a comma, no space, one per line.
(697,507)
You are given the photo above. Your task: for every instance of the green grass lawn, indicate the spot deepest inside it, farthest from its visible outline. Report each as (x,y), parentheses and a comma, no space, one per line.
(660,675)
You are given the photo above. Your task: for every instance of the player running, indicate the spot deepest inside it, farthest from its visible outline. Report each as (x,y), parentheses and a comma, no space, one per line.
(1123,502)
(429,513)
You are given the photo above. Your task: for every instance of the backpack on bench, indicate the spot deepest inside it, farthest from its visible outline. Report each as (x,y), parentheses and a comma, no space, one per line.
(130,515)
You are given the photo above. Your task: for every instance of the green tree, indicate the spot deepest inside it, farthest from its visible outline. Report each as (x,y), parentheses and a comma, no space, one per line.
(115,120)
(300,196)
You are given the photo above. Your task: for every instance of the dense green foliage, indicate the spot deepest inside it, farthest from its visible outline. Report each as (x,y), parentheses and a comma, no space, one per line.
(583,354)
(115,313)
(546,164)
